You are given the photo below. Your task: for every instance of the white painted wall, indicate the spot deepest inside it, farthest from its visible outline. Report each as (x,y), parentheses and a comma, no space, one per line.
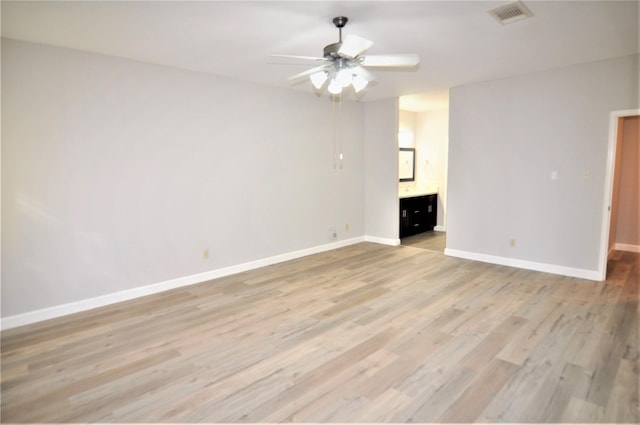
(507,136)
(433,145)
(118,174)
(407,128)
(381,171)
(407,138)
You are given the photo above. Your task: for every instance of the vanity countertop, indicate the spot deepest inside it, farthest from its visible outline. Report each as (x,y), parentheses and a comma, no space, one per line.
(413,194)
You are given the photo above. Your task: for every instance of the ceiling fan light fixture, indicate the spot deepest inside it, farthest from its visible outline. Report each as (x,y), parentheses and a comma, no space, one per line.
(344,77)
(318,79)
(334,86)
(359,83)
(344,64)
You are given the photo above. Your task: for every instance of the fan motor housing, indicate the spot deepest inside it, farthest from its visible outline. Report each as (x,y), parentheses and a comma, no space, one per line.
(340,21)
(331,50)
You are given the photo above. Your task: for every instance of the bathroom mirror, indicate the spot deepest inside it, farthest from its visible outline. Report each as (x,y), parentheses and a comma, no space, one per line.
(407,164)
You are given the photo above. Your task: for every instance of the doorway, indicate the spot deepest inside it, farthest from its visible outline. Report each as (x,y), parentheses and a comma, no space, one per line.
(620,218)
(423,127)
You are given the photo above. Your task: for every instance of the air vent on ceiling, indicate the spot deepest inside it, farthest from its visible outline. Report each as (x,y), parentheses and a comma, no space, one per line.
(510,12)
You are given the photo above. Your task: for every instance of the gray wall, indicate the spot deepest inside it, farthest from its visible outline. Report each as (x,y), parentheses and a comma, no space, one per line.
(381,171)
(507,136)
(118,174)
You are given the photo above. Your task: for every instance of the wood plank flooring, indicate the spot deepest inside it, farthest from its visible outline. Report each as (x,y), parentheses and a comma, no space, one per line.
(432,241)
(365,333)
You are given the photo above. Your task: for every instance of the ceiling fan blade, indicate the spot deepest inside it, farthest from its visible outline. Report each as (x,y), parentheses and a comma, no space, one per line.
(298,59)
(380,61)
(358,70)
(309,72)
(353,46)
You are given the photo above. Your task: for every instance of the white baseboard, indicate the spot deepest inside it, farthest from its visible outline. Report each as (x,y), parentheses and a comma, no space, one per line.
(129,294)
(524,264)
(383,241)
(626,247)
(108,299)
(440,229)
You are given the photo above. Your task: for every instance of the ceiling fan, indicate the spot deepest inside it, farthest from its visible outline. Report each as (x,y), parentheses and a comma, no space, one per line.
(344,64)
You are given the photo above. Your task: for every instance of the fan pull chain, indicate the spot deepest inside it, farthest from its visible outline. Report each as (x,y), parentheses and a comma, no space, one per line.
(339,22)
(335,133)
(340,128)
(336,113)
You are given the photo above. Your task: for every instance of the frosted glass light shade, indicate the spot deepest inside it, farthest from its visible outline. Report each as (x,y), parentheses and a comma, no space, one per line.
(334,86)
(344,77)
(318,79)
(359,83)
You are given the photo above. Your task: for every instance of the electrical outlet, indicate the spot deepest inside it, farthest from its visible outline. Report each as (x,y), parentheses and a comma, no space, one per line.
(332,233)
(205,254)
(512,243)
(346,227)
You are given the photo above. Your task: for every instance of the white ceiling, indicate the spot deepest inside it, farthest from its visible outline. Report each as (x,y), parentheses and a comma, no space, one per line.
(457,41)
(425,101)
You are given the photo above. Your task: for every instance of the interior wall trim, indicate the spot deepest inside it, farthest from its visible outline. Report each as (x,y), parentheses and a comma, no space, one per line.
(626,247)
(383,241)
(129,294)
(608,184)
(524,264)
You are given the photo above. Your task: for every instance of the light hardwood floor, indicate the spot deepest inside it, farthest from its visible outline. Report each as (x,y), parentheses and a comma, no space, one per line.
(365,333)
(432,241)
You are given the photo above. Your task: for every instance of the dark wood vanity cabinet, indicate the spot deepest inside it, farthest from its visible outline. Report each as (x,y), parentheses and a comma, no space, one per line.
(418,214)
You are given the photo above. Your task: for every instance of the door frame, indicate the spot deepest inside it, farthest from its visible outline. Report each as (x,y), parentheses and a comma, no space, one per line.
(608,185)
